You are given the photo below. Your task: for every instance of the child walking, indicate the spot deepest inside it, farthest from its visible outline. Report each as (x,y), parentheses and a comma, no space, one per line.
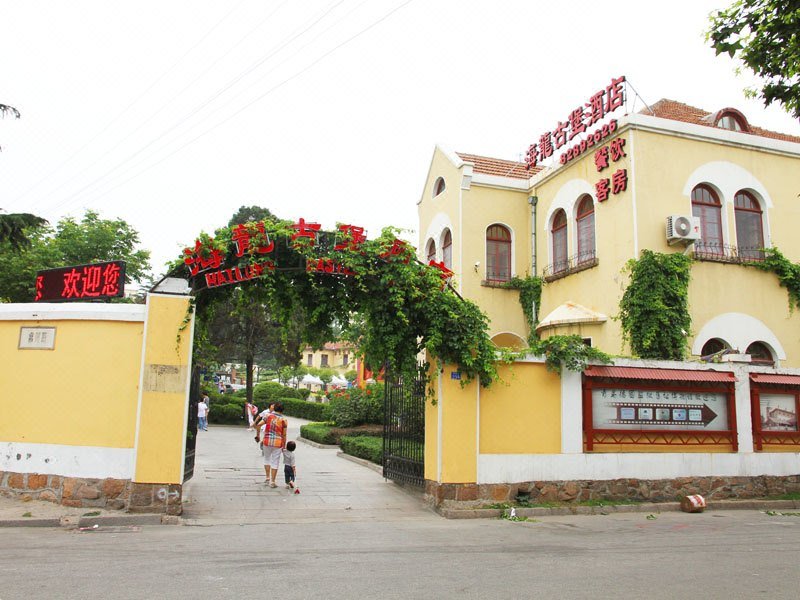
(289,468)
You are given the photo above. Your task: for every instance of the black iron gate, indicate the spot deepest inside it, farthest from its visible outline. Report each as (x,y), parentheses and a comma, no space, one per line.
(191,426)
(404,429)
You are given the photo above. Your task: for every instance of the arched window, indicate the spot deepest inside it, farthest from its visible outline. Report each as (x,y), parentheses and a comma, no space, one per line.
(749,226)
(706,205)
(438,186)
(760,354)
(731,119)
(430,250)
(447,249)
(713,346)
(498,253)
(585,218)
(559,235)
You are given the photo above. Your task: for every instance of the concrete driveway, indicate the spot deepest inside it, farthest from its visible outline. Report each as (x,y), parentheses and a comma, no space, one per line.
(228,485)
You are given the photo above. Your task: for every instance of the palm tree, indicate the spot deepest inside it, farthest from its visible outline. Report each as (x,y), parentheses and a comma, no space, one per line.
(12,227)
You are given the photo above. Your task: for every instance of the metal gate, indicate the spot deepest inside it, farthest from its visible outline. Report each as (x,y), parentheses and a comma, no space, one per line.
(404,428)
(191,426)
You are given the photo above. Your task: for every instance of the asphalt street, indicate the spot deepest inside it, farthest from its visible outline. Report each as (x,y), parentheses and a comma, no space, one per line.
(351,534)
(730,554)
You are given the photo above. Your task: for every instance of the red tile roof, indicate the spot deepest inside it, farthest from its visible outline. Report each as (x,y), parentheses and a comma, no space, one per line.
(659,374)
(775,379)
(677,111)
(498,166)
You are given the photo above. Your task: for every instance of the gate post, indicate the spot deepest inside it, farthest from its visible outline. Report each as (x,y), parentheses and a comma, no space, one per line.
(451,438)
(163,403)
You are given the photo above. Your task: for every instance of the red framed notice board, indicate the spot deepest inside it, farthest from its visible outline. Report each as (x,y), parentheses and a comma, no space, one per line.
(775,405)
(626,405)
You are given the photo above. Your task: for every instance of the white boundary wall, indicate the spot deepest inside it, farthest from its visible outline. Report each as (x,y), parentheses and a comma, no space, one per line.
(574,464)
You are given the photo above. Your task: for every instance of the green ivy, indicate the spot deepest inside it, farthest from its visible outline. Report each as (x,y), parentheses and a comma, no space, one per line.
(567,352)
(654,310)
(788,273)
(399,304)
(530,295)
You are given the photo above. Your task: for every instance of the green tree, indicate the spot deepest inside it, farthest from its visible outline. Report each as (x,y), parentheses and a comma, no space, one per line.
(14,226)
(71,242)
(765,36)
(250,214)
(240,327)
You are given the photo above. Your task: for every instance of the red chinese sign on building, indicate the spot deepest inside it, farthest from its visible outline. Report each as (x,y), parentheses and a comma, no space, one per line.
(579,121)
(100,281)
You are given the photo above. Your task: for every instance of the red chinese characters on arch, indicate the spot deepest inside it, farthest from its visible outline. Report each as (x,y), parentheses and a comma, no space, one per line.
(579,121)
(99,281)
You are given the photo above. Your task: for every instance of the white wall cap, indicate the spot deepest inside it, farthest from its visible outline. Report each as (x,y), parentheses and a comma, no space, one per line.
(79,311)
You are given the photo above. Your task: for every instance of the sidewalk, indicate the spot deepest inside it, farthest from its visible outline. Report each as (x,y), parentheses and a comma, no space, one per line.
(229,485)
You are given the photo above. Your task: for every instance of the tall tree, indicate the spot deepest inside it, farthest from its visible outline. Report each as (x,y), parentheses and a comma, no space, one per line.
(239,326)
(250,214)
(13,226)
(72,242)
(765,36)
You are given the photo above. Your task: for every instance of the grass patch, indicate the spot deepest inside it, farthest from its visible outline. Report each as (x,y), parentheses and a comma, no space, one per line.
(27,514)
(789,496)
(94,513)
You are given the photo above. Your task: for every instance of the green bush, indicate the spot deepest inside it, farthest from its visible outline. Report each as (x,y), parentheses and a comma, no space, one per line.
(270,391)
(226,414)
(355,406)
(363,446)
(266,392)
(303,409)
(321,433)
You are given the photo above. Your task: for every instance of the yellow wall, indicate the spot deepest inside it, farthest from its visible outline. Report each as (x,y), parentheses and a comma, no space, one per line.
(459,430)
(469,212)
(521,413)
(82,393)
(164,406)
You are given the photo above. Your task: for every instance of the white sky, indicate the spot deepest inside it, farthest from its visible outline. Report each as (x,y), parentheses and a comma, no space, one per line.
(172,114)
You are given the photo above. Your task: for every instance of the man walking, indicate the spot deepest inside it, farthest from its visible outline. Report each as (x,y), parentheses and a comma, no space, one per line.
(202,413)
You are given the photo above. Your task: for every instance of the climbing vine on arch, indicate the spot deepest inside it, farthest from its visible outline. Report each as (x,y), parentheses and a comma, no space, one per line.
(323,279)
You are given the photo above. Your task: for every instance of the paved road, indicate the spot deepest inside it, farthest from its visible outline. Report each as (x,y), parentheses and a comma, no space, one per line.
(731,555)
(229,485)
(244,540)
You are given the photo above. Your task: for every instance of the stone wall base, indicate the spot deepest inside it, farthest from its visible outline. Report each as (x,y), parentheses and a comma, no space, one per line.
(112,494)
(472,495)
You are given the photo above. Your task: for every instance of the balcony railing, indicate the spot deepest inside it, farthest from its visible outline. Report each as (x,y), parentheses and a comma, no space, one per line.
(727,254)
(573,264)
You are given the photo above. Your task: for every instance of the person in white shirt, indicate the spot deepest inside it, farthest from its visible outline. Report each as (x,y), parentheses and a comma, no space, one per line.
(202,413)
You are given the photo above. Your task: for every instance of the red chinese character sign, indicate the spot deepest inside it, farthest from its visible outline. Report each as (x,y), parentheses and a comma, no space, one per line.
(578,123)
(99,281)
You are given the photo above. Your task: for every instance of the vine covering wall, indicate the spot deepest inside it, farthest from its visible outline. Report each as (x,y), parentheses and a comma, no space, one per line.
(654,310)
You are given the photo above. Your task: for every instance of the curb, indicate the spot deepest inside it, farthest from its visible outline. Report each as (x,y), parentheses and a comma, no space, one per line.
(78,522)
(316,444)
(650,507)
(360,461)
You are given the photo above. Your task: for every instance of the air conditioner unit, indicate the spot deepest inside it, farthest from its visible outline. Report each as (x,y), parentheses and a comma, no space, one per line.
(681,228)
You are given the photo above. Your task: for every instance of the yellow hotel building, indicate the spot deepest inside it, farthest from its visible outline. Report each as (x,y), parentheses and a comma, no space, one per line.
(594,193)
(490,220)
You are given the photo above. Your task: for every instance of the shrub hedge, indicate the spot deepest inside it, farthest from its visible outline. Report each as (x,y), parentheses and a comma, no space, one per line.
(363,446)
(303,409)
(354,406)
(226,414)
(322,433)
